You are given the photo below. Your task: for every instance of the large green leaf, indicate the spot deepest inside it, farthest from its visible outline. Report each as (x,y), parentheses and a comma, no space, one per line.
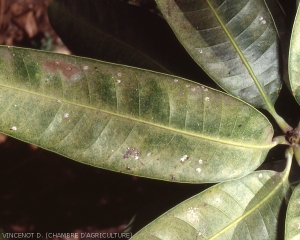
(294,58)
(129,120)
(234,41)
(292,224)
(246,208)
(117,32)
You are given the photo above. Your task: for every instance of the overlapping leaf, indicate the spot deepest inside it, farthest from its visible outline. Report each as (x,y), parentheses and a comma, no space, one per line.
(292,224)
(122,33)
(234,41)
(129,120)
(294,58)
(246,208)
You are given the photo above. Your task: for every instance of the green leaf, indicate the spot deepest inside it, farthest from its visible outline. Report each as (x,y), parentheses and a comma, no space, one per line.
(246,208)
(294,58)
(234,41)
(292,223)
(129,120)
(117,32)
(281,23)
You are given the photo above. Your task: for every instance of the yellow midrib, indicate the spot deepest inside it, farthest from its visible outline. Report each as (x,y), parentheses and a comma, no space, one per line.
(205,137)
(269,105)
(238,220)
(284,178)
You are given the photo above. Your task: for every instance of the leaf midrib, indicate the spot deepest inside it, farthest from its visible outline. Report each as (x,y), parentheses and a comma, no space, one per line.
(264,95)
(264,200)
(205,137)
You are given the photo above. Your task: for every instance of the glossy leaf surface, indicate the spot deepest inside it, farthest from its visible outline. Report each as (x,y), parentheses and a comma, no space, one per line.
(234,41)
(246,208)
(292,223)
(294,58)
(129,120)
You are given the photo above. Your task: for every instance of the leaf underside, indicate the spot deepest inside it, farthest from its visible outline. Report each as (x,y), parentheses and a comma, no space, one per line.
(292,222)
(294,58)
(246,208)
(129,120)
(234,41)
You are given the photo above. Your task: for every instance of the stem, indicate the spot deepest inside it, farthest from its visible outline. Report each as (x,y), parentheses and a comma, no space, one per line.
(281,140)
(289,157)
(280,121)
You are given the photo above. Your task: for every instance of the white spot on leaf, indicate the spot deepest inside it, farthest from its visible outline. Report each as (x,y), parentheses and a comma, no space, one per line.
(14,128)
(184,157)
(218,200)
(260,175)
(149,154)
(198,170)
(206,99)
(192,213)
(200,161)
(118,81)
(66,115)
(175,80)
(86,67)
(204,88)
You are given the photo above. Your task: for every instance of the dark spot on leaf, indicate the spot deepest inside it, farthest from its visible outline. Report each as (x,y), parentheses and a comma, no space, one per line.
(132,152)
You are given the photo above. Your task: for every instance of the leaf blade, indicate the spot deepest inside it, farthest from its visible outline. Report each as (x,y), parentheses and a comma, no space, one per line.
(292,216)
(225,211)
(294,56)
(226,40)
(129,120)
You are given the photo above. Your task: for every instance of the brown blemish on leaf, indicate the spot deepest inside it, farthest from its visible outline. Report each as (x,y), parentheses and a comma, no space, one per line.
(5,55)
(66,69)
(269,132)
